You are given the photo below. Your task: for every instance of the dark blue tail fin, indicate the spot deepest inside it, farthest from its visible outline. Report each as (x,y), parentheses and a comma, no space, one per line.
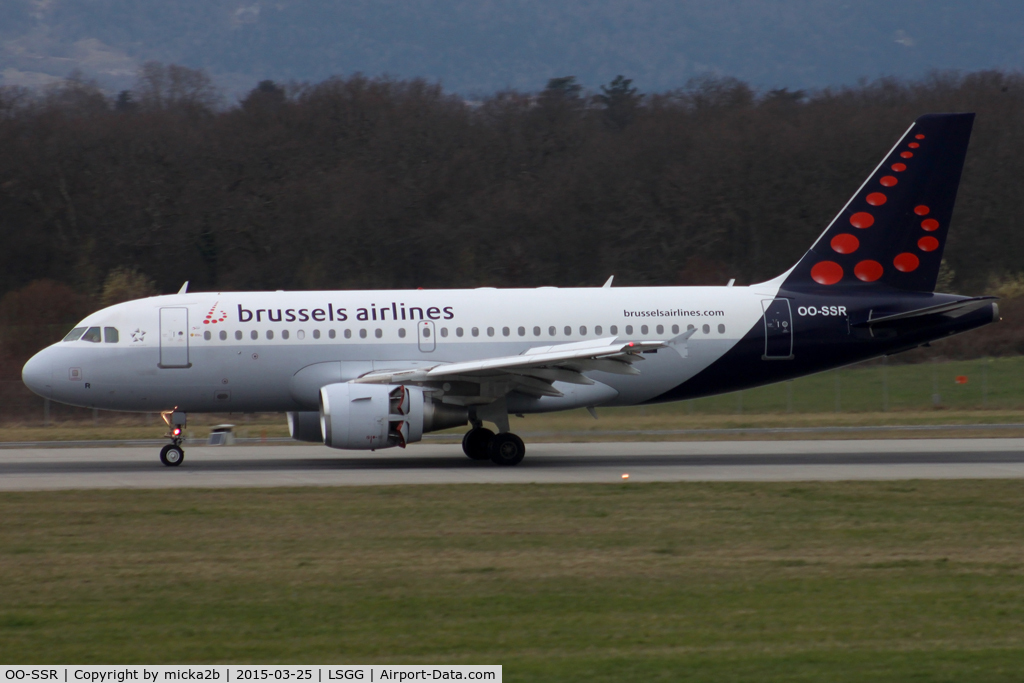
(892,232)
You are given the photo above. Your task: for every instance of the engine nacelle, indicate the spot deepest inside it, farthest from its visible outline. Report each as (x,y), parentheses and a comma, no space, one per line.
(372,416)
(305,426)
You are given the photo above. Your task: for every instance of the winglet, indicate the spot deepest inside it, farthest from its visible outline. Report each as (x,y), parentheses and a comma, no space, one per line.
(184,288)
(608,283)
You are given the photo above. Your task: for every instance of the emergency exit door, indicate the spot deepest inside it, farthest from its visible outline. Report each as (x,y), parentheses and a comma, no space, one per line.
(778,329)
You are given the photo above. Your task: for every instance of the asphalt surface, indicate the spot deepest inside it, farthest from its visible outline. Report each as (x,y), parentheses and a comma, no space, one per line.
(251,465)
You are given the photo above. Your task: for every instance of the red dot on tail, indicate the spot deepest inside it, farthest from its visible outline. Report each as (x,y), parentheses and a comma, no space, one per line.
(868,271)
(862,219)
(919,136)
(827,273)
(845,243)
(875,199)
(930,224)
(206,322)
(913,145)
(906,262)
(928,243)
(906,155)
(899,167)
(888,180)
(921,210)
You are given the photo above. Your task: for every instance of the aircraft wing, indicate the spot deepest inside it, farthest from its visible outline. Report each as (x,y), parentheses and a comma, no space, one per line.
(531,372)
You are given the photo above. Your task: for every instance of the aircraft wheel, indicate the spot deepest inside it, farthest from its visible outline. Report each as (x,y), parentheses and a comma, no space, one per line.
(475,442)
(507,449)
(171,455)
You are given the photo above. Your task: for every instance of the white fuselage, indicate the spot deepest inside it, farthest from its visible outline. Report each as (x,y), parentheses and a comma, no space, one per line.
(242,351)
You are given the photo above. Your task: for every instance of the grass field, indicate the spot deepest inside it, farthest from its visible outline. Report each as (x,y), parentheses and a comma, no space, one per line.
(849,581)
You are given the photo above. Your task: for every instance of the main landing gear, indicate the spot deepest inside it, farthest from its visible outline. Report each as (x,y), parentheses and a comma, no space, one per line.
(505,449)
(173,454)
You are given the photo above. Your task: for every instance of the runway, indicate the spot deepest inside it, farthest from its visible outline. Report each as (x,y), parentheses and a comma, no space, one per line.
(25,469)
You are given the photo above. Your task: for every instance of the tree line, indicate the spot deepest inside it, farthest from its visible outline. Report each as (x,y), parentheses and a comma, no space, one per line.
(359,182)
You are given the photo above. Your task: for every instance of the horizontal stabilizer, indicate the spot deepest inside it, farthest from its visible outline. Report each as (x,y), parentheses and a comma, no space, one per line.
(961,307)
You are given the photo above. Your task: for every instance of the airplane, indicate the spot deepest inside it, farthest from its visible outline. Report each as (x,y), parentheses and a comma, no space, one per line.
(368,370)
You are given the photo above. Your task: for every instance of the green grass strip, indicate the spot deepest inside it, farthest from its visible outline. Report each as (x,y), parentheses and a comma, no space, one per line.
(844,581)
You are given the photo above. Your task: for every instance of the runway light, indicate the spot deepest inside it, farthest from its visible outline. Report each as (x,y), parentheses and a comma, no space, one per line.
(625,476)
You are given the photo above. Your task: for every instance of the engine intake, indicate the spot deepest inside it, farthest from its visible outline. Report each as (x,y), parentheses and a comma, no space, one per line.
(372,416)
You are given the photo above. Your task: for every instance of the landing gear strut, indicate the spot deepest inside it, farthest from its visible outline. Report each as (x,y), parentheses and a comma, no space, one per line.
(173,454)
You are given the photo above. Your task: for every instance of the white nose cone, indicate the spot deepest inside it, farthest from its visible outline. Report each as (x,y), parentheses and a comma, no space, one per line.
(38,374)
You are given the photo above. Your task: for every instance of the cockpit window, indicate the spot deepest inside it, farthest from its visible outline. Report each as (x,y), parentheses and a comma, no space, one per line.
(75,334)
(110,335)
(92,335)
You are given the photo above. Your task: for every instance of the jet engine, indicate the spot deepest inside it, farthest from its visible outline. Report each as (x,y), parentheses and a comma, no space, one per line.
(372,416)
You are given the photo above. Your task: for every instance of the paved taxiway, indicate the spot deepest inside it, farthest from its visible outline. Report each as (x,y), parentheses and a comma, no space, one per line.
(303,465)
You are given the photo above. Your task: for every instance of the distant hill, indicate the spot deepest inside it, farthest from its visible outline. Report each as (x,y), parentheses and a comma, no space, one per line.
(480,47)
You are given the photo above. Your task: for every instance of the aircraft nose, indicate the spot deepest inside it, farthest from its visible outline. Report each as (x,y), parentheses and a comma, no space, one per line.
(38,374)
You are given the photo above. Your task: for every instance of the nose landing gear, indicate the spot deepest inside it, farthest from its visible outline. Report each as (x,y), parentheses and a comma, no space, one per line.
(173,454)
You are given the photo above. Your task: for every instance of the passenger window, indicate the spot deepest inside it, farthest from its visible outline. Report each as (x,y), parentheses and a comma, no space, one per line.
(660,329)
(689,327)
(629,329)
(444,331)
(675,329)
(92,335)
(75,334)
(568,331)
(505,331)
(521,331)
(706,329)
(458,331)
(597,330)
(536,331)
(348,334)
(583,330)
(223,335)
(207,336)
(331,334)
(475,331)
(254,335)
(110,335)
(316,334)
(362,334)
(551,330)
(490,331)
(238,334)
(284,334)
(378,333)
(301,334)
(643,329)
(721,329)
(270,334)
(614,329)
(401,333)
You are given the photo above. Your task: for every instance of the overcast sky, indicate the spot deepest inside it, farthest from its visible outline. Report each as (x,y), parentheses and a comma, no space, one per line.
(480,46)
